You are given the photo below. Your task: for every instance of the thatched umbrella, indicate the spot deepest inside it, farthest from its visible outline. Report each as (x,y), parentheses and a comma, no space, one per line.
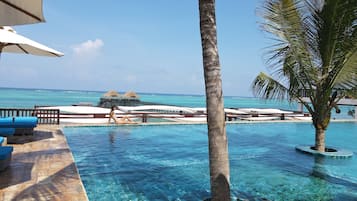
(131,94)
(111,93)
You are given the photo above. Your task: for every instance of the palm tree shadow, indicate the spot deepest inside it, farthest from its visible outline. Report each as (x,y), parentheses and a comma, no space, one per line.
(54,186)
(38,135)
(18,172)
(22,164)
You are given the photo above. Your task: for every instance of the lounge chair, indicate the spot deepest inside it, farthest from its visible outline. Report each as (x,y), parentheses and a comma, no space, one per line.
(6,128)
(5,122)
(24,125)
(5,132)
(5,157)
(17,125)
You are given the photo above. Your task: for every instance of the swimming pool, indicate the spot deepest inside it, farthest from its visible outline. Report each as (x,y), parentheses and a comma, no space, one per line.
(171,162)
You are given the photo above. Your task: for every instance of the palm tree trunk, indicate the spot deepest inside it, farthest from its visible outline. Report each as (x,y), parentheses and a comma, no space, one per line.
(218,147)
(321,119)
(320,139)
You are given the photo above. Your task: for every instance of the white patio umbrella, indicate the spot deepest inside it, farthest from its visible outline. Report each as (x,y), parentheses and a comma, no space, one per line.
(18,12)
(10,41)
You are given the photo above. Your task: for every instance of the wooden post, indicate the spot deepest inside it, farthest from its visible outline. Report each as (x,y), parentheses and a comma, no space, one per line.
(301,107)
(58,116)
(145,118)
(282,117)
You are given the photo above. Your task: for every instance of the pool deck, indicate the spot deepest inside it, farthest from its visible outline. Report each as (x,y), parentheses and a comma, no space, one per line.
(42,168)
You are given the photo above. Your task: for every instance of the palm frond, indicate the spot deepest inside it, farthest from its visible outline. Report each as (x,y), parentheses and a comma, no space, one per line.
(346,76)
(352,93)
(344,73)
(338,41)
(294,54)
(266,87)
(314,51)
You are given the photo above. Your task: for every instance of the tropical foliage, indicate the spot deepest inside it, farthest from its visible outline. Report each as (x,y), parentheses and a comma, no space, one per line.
(314,54)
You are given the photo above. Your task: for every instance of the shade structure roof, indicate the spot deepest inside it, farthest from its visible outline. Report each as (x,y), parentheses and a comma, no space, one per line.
(18,12)
(131,94)
(111,93)
(12,42)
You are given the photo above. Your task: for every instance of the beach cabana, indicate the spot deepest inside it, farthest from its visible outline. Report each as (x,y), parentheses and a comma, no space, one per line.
(113,98)
(131,94)
(111,93)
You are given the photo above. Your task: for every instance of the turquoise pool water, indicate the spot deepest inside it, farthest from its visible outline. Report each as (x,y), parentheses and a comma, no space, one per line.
(171,162)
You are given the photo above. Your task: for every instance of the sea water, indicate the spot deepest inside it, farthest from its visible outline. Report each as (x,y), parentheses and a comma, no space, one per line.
(28,98)
(171,162)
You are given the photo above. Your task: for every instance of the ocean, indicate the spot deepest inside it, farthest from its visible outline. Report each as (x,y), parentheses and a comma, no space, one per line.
(28,98)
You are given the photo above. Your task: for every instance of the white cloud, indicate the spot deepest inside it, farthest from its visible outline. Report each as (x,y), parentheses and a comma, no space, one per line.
(89,48)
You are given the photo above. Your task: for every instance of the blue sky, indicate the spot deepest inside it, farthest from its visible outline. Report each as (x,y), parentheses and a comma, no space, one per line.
(140,45)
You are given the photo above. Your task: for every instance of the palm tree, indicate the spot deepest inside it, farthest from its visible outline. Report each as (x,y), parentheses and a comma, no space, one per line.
(218,147)
(315,52)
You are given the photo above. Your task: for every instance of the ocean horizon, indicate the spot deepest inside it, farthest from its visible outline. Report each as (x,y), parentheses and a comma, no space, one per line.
(31,97)
(121,92)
